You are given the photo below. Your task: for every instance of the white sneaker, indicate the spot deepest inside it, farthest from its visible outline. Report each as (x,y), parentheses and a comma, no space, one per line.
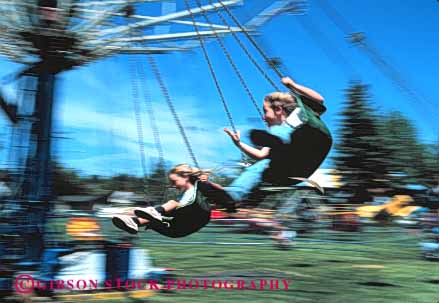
(148,213)
(126,223)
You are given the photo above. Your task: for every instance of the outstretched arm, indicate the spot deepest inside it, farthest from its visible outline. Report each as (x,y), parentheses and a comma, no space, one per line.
(307,92)
(205,178)
(250,151)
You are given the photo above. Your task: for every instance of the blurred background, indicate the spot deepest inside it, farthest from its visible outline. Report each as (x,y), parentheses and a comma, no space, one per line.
(99,99)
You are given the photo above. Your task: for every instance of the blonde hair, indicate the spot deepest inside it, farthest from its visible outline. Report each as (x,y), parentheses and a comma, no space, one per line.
(185,170)
(285,101)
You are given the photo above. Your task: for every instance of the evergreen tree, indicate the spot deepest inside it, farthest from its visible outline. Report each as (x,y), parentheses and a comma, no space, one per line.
(429,176)
(360,159)
(409,161)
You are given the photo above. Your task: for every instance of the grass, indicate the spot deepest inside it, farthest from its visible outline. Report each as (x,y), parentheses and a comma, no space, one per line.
(378,264)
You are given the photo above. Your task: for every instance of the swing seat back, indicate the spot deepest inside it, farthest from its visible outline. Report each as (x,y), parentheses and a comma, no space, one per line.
(186,219)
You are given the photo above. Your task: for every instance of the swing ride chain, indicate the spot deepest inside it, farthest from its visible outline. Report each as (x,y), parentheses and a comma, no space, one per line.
(136,103)
(212,72)
(137,69)
(135,97)
(229,58)
(253,42)
(150,112)
(359,39)
(171,106)
(152,123)
(243,47)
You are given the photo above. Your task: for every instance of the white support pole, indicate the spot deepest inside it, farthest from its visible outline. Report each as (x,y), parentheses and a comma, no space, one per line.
(91,23)
(166,37)
(143,50)
(141,24)
(276,8)
(140,17)
(111,2)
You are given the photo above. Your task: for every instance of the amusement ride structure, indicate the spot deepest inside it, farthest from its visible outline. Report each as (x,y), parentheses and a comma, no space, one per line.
(48,37)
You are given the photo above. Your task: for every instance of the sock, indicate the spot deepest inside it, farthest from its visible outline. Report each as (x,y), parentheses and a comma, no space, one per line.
(160,209)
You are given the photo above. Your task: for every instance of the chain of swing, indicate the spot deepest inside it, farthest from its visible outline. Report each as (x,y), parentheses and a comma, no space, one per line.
(243,47)
(229,59)
(137,72)
(211,69)
(167,96)
(359,40)
(155,132)
(150,112)
(136,103)
(165,92)
(272,63)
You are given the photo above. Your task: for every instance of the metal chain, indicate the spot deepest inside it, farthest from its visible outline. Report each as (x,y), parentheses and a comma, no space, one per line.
(331,50)
(157,74)
(153,125)
(136,103)
(243,47)
(150,112)
(308,101)
(171,106)
(232,63)
(133,63)
(358,39)
(253,42)
(212,71)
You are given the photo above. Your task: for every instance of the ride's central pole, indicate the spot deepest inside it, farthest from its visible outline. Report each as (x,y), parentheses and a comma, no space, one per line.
(37,187)
(38,179)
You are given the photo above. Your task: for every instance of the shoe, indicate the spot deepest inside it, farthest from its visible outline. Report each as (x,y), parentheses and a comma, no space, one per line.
(126,223)
(149,213)
(263,138)
(231,208)
(223,200)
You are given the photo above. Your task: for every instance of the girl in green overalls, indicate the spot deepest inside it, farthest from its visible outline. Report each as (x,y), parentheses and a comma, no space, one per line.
(176,218)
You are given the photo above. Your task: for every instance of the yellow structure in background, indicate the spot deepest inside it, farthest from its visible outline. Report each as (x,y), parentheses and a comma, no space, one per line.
(396,206)
(83,228)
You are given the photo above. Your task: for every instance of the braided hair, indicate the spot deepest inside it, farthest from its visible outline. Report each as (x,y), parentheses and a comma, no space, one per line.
(184,170)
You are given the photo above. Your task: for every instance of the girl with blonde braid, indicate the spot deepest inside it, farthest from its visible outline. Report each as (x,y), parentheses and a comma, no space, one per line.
(176,218)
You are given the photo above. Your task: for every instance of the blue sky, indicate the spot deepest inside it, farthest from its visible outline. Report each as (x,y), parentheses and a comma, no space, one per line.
(94,107)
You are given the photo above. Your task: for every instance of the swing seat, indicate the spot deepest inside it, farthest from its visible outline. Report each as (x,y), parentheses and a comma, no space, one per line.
(308,149)
(186,219)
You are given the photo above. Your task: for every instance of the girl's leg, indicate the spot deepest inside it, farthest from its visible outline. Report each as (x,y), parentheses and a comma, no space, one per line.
(168,206)
(156,213)
(141,221)
(129,211)
(247,181)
